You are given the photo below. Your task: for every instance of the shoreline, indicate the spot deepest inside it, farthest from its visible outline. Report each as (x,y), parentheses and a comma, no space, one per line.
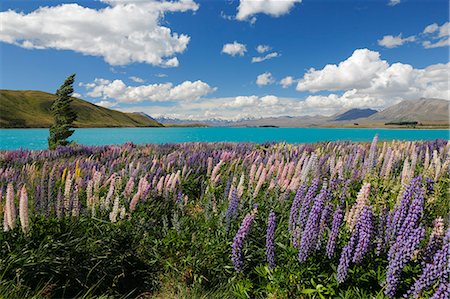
(239,127)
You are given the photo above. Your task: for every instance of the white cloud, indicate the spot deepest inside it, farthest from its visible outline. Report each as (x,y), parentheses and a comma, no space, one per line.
(119,91)
(394,2)
(264,79)
(390,41)
(433,36)
(269,100)
(274,8)
(161,75)
(354,72)
(137,79)
(234,49)
(380,85)
(242,101)
(287,81)
(230,108)
(76,95)
(262,49)
(122,33)
(438,36)
(265,57)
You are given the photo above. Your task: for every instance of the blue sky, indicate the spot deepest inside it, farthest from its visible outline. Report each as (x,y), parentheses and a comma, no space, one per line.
(379,67)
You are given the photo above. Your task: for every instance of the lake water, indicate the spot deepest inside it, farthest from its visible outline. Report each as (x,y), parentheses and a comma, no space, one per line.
(37,138)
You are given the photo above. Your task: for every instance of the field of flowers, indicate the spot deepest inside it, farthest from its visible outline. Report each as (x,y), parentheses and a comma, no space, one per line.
(229,220)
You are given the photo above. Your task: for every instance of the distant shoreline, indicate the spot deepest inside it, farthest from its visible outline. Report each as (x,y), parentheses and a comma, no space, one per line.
(246,127)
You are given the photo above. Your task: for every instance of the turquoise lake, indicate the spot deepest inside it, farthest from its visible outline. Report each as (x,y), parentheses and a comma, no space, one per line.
(37,138)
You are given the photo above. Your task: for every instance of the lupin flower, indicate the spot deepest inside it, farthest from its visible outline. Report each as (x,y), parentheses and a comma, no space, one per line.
(75,203)
(9,222)
(310,236)
(270,239)
(238,241)
(336,224)
(435,241)
(365,228)
(361,201)
(442,291)
(134,201)
(346,257)
(23,210)
(437,270)
(371,159)
(402,252)
(295,207)
(67,189)
(115,210)
(232,208)
(129,187)
(306,203)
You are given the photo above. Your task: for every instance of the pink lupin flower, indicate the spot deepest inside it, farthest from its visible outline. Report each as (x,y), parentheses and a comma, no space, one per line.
(210,161)
(252,175)
(23,210)
(240,187)
(134,201)
(129,187)
(261,181)
(216,170)
(354,214)
(10,209)
(159,186)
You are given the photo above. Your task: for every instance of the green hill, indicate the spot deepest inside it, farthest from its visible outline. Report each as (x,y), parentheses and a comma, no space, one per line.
(31,109)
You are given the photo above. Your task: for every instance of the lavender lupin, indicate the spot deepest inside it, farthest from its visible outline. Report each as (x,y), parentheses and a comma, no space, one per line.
(401,254)
(365,228)
(238,241)
(295,207)
(336,224)
(270,239)
(309,237)
(437,270)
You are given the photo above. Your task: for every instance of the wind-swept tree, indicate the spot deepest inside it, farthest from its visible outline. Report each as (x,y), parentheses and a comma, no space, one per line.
(63,115)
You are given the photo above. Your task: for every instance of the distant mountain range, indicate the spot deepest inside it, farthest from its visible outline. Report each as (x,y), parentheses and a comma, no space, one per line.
(426,112)
(31,109)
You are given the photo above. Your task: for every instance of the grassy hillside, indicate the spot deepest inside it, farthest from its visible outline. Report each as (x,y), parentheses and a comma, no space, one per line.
(29,108)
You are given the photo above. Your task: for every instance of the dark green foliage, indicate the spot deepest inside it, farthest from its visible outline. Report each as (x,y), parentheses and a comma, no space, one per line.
(63,115)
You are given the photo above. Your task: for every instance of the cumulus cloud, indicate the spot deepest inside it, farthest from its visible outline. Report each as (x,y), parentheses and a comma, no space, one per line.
(264,79)
(275,8)
(368,81)
(390,41)
(394,2)
(354,72)
(229,108)
(117,90)
(262,49)
(76,95)
(265,57)
(122,33)
(234,49)
(437,36)
(137,79)
(287,81)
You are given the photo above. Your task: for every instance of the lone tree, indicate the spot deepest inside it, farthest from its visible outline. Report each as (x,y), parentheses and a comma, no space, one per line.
(63,114)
